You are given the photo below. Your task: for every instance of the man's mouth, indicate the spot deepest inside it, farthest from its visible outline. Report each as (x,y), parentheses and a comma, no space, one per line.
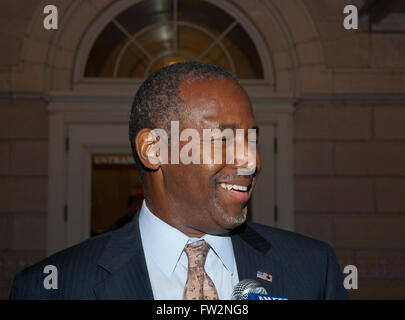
(235,187)
(238,192)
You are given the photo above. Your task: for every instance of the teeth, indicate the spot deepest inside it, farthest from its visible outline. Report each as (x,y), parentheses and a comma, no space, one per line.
(233,186)
(241,188)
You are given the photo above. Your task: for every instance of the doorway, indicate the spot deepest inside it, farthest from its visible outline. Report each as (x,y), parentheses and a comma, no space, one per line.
(116,191)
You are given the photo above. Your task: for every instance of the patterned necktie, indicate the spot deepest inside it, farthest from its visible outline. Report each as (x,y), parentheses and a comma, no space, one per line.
(199,285)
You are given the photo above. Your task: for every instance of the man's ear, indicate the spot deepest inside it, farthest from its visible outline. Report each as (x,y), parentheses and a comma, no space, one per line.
(145,145)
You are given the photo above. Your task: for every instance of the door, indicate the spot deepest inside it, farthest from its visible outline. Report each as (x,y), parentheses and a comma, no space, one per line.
(85,141)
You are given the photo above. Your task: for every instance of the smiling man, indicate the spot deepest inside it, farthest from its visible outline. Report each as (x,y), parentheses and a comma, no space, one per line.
(194,198)
(190,239)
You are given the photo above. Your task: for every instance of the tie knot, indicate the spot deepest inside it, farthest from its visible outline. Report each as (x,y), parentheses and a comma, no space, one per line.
(196,253)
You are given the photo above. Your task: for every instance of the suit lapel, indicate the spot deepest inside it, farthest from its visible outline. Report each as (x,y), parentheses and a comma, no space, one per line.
(253,254)
(128,276)
(124,259)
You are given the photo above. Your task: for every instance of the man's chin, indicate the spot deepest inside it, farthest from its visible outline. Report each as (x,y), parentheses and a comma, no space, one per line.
(234,220)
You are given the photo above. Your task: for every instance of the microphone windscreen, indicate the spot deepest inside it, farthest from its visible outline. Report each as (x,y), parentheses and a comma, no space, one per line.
(244,287)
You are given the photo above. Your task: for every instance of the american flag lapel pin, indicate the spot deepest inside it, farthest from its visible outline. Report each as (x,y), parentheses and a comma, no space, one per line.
(265,276)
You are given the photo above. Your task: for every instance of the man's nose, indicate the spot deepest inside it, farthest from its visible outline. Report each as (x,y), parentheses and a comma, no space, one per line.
(247,158)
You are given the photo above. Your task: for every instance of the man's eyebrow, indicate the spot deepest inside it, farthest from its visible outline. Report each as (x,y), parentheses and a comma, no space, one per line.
(233,126)
(223,126)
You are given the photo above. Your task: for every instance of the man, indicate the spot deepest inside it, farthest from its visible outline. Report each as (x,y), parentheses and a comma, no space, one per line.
(189,239)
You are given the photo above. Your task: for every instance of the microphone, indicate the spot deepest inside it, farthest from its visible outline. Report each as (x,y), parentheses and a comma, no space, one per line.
(249,289)
(243,288)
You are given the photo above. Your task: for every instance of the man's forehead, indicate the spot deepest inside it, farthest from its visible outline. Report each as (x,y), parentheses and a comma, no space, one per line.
(210,88)
(221,118)
(211,94)
(219,100)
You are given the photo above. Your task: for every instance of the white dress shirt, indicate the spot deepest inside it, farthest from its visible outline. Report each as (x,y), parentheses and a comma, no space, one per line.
(167,263)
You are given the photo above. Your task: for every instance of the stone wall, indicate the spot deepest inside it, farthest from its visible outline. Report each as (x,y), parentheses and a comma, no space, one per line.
(23,185)
(350,187)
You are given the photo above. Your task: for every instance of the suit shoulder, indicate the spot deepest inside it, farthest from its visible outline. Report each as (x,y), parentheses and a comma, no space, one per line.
(288,239)
(87,252)
(72,264)
(310,266)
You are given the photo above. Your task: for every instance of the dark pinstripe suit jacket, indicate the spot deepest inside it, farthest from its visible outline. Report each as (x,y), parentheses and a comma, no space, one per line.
(112,266)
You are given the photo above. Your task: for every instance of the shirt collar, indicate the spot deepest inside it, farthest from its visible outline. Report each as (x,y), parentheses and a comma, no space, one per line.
(164,243)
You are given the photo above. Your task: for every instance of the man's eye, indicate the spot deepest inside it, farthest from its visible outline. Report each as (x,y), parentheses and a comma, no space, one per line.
(223,139)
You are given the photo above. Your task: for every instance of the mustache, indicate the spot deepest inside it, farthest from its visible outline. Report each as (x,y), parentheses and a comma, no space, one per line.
(230,177)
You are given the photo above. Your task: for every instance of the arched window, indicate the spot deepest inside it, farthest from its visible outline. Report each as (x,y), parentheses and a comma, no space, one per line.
(154,33)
